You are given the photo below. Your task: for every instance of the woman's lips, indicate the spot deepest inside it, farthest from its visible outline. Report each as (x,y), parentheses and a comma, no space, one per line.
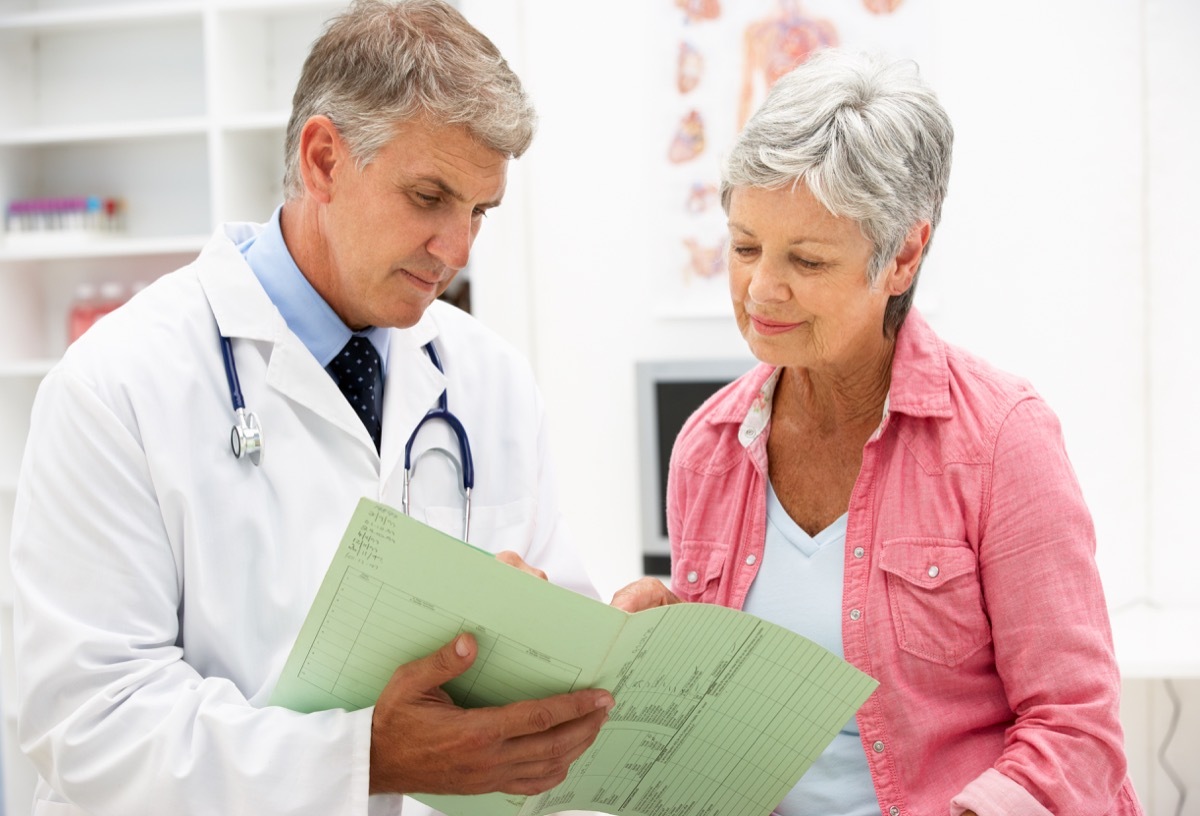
(768,327)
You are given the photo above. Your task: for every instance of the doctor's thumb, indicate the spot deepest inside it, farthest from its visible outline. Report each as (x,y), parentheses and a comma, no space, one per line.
(446,663)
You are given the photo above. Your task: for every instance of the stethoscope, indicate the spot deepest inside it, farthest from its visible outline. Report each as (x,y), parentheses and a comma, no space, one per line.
(246,437)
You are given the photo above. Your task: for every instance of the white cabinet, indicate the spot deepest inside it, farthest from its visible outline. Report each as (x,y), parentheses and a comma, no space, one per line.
(175,107)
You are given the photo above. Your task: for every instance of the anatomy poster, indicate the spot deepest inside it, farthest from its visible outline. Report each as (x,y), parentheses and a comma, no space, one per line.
(717,60)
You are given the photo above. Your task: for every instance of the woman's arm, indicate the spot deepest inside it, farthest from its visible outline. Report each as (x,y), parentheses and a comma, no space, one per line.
(1050,628)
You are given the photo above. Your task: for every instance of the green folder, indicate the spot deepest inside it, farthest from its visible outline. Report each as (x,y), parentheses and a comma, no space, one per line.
(717,711)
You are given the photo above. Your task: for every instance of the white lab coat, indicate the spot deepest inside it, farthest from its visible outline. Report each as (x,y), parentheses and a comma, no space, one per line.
(160,582)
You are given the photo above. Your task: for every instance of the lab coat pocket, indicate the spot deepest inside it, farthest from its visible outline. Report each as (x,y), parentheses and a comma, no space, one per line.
(695,570)
(935,597)
(493,527)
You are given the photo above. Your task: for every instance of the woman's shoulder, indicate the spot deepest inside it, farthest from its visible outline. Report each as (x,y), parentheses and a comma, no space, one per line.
(714,426)
(958,395)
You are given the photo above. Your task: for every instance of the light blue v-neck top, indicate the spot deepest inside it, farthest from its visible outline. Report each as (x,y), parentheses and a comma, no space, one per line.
(799,586)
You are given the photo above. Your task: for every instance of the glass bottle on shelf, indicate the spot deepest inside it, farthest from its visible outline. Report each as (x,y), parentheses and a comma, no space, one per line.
(82,311)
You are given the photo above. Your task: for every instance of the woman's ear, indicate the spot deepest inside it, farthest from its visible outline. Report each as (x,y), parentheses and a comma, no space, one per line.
(908,259)
(321,149)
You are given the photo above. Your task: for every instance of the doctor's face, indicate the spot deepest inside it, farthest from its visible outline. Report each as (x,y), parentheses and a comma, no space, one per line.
(397,230)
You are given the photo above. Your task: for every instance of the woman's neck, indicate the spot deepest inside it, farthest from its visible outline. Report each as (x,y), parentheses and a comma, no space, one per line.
(838,397)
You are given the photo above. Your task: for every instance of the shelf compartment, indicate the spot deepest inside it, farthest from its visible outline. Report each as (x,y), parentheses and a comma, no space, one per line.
(66,77)
(251,170)
(17,16)
(42,292)
(105,132)
(148,175)
(259,52)
(109,247)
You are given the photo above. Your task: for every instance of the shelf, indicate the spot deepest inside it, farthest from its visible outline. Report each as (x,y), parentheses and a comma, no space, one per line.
(91,16)
(276,5)
(105,248)
(25,369)
(105,132)
(252,122)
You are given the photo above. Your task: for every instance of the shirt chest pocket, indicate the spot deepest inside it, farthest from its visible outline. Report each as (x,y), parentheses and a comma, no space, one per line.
(935,598)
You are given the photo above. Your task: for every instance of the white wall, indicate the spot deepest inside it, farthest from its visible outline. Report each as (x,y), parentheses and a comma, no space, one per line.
(1061,257)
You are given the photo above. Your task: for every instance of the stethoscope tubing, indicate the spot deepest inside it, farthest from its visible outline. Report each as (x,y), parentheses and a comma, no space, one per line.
(246,435)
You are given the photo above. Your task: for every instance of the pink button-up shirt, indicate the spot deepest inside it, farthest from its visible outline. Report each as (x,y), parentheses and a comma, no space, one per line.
(971,591)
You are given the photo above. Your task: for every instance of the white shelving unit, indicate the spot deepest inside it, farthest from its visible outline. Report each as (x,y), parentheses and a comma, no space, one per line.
(176,107)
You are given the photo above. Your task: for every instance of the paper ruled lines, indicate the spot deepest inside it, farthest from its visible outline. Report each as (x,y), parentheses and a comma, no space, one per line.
(371,628)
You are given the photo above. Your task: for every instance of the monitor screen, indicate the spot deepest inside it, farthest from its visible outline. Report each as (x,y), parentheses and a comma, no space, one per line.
(668,393)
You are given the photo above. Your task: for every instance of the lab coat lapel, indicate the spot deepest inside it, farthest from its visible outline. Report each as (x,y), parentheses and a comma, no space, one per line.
(412,386)
(243,310)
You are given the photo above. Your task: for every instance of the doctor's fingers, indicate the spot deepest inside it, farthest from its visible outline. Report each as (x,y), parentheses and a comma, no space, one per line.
(513,560)
(537,762)
(532,717)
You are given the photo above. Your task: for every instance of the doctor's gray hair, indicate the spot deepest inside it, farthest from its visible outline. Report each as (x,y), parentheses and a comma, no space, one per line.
(381,63)
(868,139)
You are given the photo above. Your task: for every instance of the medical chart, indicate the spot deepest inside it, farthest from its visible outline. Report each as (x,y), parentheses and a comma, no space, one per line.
(717,711)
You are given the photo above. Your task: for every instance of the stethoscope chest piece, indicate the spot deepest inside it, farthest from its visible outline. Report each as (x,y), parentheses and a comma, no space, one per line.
(245,438)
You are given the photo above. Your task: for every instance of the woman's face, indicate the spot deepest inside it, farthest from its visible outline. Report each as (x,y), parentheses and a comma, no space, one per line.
(798,277)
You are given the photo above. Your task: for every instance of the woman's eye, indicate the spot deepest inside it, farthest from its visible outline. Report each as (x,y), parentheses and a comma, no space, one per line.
(807,263)
(744,251)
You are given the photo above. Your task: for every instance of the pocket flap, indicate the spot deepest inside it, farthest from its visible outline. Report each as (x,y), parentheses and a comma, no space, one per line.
(927,562)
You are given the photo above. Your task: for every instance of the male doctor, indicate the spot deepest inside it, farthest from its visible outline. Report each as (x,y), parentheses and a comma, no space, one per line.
(161,580)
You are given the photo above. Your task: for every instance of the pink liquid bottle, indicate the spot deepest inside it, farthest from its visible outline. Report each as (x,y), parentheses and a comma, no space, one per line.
(83,310)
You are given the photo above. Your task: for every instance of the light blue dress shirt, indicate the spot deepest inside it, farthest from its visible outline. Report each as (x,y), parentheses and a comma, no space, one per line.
(307,314)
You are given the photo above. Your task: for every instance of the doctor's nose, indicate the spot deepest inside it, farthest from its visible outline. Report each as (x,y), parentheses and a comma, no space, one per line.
(452,243)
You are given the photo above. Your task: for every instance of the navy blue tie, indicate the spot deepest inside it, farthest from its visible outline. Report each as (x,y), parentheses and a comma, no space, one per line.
(358,373)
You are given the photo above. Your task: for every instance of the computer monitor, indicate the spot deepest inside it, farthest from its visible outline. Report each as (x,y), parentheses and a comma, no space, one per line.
(668,392)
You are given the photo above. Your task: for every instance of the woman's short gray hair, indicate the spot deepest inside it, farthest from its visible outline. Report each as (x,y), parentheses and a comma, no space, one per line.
(866,136)
(382,63)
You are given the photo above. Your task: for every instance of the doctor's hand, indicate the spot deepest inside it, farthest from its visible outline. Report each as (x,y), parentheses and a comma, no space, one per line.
(421,742)
(513,560)
(645,593)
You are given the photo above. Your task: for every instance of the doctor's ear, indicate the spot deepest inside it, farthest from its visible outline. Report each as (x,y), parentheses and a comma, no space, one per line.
(321,150)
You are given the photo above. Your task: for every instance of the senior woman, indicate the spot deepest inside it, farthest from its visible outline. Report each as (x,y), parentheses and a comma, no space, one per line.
(887,495)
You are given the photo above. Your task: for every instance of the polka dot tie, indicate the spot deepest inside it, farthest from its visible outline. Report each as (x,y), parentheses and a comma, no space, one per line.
(359,375)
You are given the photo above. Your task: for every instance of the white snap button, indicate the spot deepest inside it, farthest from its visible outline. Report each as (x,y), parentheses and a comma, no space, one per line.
(933,571)
(859,552)
(750,559)
(878,746)
(692,577)
(893,811)
(855,614)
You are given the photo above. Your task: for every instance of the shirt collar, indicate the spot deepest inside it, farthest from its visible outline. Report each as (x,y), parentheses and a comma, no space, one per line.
(306,313)
(920,383)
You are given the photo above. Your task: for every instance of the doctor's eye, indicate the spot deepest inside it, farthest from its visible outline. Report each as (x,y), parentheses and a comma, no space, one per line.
(427,199)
